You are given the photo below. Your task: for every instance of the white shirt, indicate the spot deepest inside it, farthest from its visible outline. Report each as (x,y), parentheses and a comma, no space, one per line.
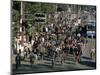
(52,25)
(78,34)
(42,39)
(20,47)
(76,24)
(46,29)
(93,50)
(58,49)
(79,21)
(32,42)
(29,46)
(69,9)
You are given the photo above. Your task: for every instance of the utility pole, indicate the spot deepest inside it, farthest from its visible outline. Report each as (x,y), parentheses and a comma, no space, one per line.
(20,29)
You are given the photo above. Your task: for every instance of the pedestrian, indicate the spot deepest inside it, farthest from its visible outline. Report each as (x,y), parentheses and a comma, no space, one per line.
(25,52)
(92,52)
(18,60)
(31,58)
(78,53)
(42,52)
(64,52)
(30,37)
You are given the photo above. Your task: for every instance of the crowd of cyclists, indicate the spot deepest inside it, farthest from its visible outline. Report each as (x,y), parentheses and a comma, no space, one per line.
(55,42)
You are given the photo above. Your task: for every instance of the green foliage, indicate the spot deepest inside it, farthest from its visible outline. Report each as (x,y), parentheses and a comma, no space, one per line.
(29,8)
(16,5)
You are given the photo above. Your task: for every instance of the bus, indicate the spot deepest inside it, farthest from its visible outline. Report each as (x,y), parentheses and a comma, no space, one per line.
(91,29)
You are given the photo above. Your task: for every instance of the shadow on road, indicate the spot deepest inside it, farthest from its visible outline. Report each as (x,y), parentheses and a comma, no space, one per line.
(88,62)
(86,58)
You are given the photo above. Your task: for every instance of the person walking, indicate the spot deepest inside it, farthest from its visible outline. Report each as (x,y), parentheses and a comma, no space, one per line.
(92,52)
(78,53)
(31,58)
(18,60)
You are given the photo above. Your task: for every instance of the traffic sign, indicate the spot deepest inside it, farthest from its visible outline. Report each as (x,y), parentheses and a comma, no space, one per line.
(40,17)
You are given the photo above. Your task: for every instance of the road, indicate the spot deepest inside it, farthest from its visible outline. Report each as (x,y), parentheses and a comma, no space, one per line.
(69,65)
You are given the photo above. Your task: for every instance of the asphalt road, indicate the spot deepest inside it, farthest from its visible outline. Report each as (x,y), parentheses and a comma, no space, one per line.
(69,65)
(46,66)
